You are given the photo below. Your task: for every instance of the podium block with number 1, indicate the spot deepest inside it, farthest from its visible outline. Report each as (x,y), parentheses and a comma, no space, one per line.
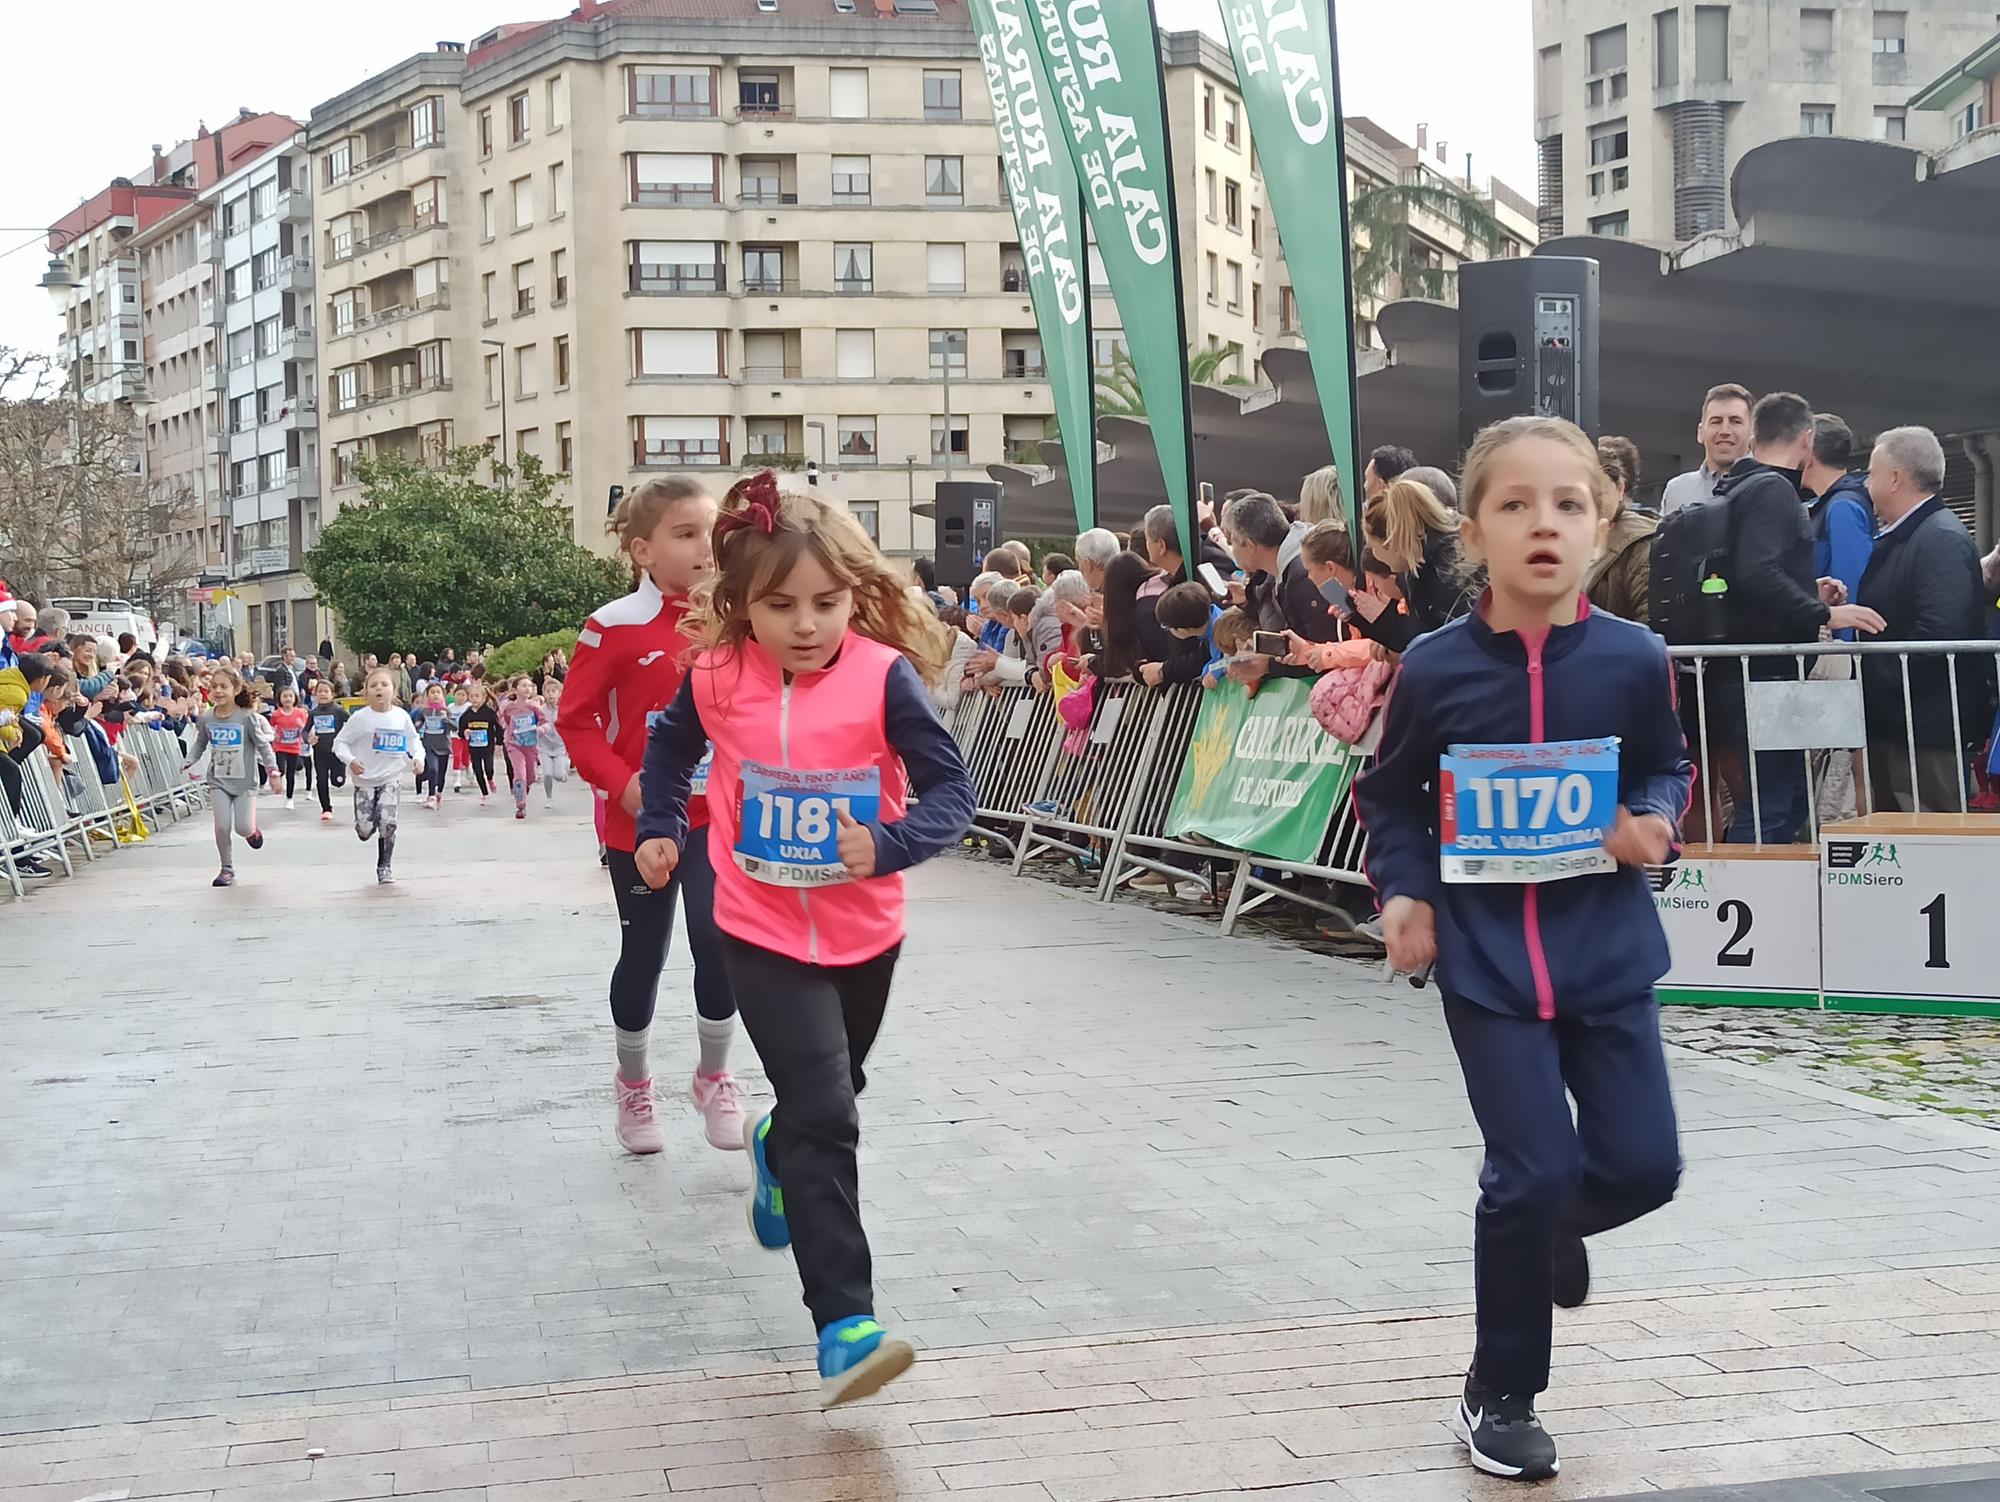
(1908,902)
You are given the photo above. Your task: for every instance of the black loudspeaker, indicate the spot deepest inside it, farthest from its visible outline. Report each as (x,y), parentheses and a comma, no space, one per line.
(1527,341)
(968,528)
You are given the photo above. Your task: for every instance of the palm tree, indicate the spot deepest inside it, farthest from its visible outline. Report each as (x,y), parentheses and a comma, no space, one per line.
(1387,265)
(1118,393)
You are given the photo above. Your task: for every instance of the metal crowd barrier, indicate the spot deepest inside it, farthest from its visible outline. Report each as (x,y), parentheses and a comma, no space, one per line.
(1104,804)
(77,809)
(1816,712)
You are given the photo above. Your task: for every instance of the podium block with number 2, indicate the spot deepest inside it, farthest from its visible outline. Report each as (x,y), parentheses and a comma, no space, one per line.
(1908,903)
(1742,925)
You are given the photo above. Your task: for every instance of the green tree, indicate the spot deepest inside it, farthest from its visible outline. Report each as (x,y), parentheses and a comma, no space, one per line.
(1388,265)
(433,558)
(1118,393)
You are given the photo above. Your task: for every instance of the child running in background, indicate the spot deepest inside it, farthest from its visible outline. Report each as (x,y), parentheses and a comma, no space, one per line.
(379,743)
(631,658)
(329,770)
(238,742)
(288,735)
(554,755)
(455,705)
(434,717)
(481,727)
(810,692)
(522,713)
(1546,960)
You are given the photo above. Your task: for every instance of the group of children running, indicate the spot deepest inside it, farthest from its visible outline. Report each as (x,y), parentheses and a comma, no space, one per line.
(756,721)
(450,730)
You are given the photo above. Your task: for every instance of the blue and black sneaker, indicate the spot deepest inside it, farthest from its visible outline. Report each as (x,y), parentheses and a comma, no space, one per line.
(767,1198)
(858,1357)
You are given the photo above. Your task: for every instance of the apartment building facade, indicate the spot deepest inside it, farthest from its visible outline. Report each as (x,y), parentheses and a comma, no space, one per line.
(660,236)
(1643,110)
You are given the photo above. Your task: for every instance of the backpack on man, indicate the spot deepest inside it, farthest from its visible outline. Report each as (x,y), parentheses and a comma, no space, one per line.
(1693,557)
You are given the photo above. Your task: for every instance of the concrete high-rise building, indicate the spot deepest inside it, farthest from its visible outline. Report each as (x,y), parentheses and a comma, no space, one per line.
(1643,110)
(703,235)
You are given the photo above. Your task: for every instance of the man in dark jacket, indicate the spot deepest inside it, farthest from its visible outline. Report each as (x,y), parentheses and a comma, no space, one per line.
(1280,595)
(1774,599)
(1924,581)
(1159,537)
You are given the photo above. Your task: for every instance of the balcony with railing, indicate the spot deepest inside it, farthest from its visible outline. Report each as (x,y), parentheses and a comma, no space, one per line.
(396,391)
(770,286)
(1024,450)
(679,453)
(667,195)
(771,370)
(665,279)
(429,302)
(1023,365)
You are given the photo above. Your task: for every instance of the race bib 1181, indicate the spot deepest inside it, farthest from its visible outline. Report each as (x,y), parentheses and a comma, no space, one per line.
(1527,813)
(789,828)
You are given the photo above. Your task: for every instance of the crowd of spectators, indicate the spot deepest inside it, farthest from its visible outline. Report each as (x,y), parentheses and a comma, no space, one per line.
(1825,542)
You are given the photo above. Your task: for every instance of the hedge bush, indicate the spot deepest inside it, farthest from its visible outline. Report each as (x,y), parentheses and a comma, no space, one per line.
(524,654)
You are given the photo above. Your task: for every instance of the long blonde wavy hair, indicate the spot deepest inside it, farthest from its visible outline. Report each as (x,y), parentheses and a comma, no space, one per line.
(760,536)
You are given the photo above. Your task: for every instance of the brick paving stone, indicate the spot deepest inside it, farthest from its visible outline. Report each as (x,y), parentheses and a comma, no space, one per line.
(1170,1215)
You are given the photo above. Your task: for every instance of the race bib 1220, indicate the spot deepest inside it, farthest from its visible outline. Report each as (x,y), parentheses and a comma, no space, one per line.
(1527,813)
(788,831)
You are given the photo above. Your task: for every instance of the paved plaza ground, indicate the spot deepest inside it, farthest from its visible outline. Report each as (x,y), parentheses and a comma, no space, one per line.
(308,1191)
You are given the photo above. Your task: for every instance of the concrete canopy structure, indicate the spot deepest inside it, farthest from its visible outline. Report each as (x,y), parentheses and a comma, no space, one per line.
(1861,276)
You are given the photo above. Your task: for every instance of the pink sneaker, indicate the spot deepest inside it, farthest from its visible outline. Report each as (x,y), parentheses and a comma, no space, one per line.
(638,1132)
(720,1100)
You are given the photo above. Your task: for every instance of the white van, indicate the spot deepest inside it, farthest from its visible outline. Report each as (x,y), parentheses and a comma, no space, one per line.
(102,617)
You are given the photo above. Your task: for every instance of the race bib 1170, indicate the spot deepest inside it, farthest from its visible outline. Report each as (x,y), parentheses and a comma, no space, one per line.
(1527,813)
(788,832)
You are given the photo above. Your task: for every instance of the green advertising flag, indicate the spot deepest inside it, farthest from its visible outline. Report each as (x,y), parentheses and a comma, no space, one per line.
(1048,220)
(1287,65)
(1261,775)
(1103,60)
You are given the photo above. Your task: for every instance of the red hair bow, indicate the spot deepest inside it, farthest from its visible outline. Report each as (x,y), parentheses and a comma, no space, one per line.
(758,495)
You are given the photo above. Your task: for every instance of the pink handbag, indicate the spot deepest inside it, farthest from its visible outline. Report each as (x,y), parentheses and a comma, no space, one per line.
(1075,708)
(1345,700)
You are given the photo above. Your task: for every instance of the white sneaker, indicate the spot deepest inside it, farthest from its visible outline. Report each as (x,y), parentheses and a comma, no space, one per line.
(638,1132)
(288,803)
(720,1100)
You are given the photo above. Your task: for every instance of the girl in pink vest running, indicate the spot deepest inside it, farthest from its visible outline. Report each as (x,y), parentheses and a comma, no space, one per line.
(812,691)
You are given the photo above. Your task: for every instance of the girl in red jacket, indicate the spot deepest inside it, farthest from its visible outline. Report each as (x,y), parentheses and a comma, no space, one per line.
(630,658)
(810,702)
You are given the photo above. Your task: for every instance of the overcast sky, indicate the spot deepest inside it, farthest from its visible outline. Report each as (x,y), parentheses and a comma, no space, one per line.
(145,73)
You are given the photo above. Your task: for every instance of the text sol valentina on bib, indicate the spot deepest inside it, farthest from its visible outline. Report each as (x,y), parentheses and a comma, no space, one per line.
(1529,812)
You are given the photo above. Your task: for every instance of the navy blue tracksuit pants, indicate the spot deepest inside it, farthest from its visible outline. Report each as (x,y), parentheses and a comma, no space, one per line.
(1545,1174)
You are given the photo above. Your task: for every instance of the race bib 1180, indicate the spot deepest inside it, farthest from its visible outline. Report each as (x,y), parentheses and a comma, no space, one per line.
(1527,813)
(392,740)
(788,832)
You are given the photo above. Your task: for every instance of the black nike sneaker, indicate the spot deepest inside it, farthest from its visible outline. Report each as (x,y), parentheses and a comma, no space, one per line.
(1570,1285)
(1503,1435)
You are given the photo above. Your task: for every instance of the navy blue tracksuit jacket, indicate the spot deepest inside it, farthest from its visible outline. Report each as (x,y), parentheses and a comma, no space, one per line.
(1586,944)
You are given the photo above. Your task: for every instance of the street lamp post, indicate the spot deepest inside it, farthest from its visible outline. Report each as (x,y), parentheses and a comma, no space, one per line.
(506,474)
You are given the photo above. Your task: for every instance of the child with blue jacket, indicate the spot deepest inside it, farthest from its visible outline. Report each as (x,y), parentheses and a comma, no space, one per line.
(1532,764)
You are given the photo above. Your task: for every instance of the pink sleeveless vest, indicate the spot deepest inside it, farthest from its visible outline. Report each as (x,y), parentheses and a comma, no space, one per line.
(831,720)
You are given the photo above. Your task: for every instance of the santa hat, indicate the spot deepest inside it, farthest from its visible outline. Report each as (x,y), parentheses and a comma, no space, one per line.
(6,595)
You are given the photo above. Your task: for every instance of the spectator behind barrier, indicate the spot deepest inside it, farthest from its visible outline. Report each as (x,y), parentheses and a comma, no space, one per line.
(1436,481)
(1724,436)
(1619,579)
(1411,531)
(1924,582)
(1385,464)
(1320,498)
(1774,599)
(1161,538)
(1233,631)
(1842,515)
(1055,566)
(1005,562)
(1132,632)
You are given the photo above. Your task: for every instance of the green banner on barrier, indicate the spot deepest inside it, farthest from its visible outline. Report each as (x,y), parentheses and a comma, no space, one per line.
(1102,58)
(1049,221)
(1260,774)
(1287,66)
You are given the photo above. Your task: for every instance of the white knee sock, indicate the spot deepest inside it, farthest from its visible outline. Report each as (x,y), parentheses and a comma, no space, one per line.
(715,1040)
(632,1065)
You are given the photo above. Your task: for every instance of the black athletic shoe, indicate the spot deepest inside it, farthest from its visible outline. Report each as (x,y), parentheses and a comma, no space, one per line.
(1570,1285)
(1503,1434)
(254,839)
